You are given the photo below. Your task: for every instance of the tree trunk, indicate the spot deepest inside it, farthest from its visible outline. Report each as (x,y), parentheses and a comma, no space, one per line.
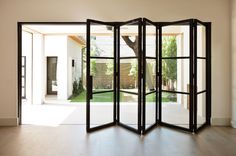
(134,47)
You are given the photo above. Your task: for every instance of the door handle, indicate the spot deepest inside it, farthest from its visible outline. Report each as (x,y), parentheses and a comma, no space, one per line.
(91,87)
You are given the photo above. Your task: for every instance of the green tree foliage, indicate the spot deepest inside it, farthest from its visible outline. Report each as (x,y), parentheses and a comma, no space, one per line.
(93,68)
(77,87)
(134,70)
(169,67)
(94,51)
(110,68)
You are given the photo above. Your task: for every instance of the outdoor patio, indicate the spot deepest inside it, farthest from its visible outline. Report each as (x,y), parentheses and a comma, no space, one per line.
(64,112)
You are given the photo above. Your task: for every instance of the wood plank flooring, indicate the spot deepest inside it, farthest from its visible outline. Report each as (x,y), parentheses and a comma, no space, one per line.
(72,140)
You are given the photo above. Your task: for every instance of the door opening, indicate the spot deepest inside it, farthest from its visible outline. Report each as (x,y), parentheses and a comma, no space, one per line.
(137,74)
(52,75)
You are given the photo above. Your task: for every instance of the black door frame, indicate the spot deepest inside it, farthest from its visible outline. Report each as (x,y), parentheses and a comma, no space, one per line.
(47,60)
(193,73)
(147,22)
(188,22)
(136,22)
(158,25)
(207,59)
(89,82)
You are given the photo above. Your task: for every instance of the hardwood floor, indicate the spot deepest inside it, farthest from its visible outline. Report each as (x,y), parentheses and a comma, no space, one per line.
(72,140)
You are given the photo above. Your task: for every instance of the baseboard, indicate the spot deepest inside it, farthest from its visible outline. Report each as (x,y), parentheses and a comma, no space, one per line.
(233,124)
(8,121)
(220,121)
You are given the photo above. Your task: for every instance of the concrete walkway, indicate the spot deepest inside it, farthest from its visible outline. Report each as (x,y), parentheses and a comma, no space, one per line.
(62,113)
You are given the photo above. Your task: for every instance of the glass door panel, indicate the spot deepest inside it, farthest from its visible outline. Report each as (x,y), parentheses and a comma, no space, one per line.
(129,75)
(129,72)
(101,63)
(129,109)
(150,69)
(200,103)
(175,71)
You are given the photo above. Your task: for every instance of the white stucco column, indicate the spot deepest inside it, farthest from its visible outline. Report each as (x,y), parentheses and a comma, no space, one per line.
(233,50)
(38,72)
(27,52)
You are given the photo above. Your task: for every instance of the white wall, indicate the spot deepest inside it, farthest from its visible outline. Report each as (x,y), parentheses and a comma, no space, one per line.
(215,11)
(65,49)
(27,39)
(38,69)
(233,121)
(74,73)
(56,45)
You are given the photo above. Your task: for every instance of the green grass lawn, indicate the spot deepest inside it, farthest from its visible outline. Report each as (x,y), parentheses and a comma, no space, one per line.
(108,97)
(79,98)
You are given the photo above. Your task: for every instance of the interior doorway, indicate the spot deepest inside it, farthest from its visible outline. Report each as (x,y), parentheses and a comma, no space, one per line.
(137,74)
(52,75)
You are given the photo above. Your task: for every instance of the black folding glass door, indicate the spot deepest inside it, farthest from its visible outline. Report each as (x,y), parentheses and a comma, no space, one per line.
(101,75)
(141,74)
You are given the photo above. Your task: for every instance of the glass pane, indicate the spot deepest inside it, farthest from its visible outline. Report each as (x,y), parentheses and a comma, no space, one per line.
(150,75)
(101,41)
(175,41)
(54,85)
(129,40)
(101,109)
(175,75)
(150,109)
(175,109)
(129,109)
(23,60)
(23,71)
(23,92)
(23,81)
(201,40)
(129,75)
(201,109)
(151,41)
(102,71)
(201,75)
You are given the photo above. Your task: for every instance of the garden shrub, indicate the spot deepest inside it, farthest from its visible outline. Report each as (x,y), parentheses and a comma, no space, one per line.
(77,87)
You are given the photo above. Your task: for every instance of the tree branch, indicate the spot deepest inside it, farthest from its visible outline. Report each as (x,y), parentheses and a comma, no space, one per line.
(131,44)
(128,41)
